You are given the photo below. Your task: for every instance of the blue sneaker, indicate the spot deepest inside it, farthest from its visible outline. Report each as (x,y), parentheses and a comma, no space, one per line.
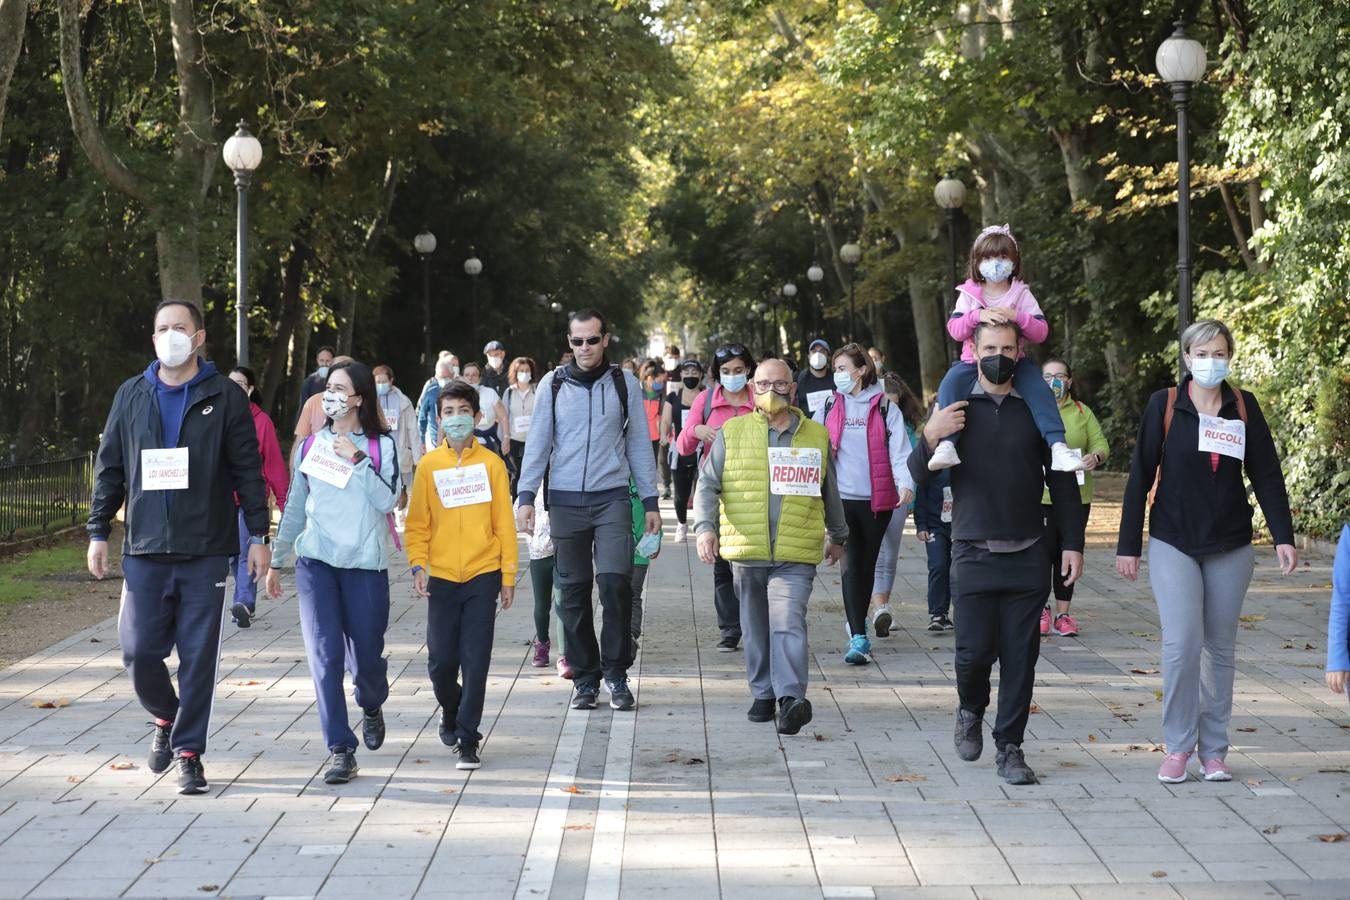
(859,651)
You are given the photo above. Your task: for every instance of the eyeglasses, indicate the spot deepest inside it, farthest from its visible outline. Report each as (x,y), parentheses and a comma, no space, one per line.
(778,387)
(590,341)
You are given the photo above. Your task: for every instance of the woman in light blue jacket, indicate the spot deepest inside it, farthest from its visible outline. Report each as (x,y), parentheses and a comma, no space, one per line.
(1338,622)
(345,484)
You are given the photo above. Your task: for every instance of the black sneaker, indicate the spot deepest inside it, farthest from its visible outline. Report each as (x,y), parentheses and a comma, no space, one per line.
(161,754)
(242,615)
(344,767)
(728,645)
(584,696)
(468,755)
(620,697)
(793,713)
(761,711)
(447,730)
(969,734)
(191,775)
(1012,766)
(935,623)
(946,623)
(372,728)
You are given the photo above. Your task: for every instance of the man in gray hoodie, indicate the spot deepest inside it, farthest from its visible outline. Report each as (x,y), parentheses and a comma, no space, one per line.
(581,438)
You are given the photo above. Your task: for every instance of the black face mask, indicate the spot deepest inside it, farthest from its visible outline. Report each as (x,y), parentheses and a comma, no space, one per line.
(997,368)
(691,381)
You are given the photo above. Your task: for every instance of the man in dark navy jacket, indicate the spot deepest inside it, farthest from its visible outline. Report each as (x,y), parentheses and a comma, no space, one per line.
(178,445)
(1000,573)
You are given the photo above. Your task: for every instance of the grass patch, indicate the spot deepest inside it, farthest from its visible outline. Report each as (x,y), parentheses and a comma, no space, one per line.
(21,575)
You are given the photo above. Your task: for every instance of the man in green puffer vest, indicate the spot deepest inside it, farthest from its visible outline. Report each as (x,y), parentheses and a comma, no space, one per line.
(768,474)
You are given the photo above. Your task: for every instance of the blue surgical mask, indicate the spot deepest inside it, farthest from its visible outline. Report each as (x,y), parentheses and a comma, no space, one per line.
(1209,372)
(322,371)
(733,383)
(649,544)
(996,269)
(457,428)
(843,382)
(382,388)
(1057,388)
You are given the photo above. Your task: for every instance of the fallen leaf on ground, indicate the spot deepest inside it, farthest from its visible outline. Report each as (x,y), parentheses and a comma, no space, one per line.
(1253,781)
(1068,765)
(821,737)
(248,683)
(1252,618)
(1035,708)
(577,827)
(1309,647)
(1157,695)
(449,790)
(1158,873)
(1143,634)
(673,757)
(693,761)
(896,778)
(572,789)
(50,704)
(1270,829)
(1333,771)
(1332,838)
(421,762)
(73,779)
(1144,671)
(96,640)
(122,766)
(209,888)
(1248,729)
(1092,737)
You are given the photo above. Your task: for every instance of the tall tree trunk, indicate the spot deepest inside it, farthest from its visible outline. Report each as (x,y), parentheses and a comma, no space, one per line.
(370,240)
(288,323)
(180,275)
(13,18)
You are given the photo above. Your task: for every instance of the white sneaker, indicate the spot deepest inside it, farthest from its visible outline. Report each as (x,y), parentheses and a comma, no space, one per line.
(681,533)
(1062,459)
(944,457)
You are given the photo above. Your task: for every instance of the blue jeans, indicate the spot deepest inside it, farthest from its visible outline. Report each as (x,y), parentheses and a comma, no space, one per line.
(245,590)
(961,377)
(939,549)
(343,617)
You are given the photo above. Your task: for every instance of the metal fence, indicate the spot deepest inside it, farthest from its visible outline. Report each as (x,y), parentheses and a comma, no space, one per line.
(37,498)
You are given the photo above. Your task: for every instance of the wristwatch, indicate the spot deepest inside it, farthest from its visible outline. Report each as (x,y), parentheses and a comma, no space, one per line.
(263,539)
(358,456)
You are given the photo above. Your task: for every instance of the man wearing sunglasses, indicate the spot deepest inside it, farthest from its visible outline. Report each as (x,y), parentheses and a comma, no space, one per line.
(767,500)
(581,436)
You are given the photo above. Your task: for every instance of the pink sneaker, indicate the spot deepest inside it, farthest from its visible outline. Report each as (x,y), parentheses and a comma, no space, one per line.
(1173,770)
(564,670)
(1045,621)
(540,660)
(1216,770)
(1065,626)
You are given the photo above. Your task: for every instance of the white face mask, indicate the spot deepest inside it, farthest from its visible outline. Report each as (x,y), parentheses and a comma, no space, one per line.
(495,361)
(817,360)
(443,381)
(173,347)
(335,405)
(523,376)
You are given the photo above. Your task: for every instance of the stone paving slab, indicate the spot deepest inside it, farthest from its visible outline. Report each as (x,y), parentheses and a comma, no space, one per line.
(686,798)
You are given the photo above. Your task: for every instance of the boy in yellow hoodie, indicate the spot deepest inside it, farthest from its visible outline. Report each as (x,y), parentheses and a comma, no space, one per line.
(461,539)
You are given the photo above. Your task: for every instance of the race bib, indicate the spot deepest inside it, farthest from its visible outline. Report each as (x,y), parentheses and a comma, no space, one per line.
(947,504)
(464,486)
(523,424)
(1080,474)
(1227,437)
(391,422)
(684,419)
(322,463)
(164,470)
(794,471)
(815,401)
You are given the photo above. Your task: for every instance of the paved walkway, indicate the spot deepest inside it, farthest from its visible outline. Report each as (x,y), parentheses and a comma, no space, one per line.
(686,798)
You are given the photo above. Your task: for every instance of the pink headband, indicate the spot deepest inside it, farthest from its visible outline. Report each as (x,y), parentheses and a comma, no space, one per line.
(999,229)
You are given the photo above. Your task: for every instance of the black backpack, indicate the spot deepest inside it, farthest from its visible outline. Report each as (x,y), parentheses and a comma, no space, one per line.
(620,387)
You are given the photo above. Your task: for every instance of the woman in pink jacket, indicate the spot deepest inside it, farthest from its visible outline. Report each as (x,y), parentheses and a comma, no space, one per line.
(278,480)
(727,399)
(994,292)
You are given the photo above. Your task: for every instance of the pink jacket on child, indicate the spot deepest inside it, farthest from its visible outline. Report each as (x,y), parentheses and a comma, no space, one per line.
(970,301)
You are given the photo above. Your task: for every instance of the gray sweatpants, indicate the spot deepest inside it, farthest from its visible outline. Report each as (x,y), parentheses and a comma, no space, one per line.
(889,556)
(773,626)
(1199,601)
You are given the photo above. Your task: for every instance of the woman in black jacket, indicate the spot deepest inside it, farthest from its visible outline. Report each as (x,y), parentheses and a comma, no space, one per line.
(1194,443)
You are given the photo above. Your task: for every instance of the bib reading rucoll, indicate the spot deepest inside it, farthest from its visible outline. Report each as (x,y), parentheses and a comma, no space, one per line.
(794,471)
(1227,437)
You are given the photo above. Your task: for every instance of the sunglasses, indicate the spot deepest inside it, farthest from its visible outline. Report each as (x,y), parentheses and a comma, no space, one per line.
(590,341)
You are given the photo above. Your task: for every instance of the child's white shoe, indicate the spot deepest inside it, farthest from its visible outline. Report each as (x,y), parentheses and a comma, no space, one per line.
(944,457)
(1062,459)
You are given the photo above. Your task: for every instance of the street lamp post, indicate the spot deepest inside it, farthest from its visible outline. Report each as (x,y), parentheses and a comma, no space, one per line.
(851,254)
(243,154)
(473,267)
(425,245)
(556,307)
(1181,63)
(950,194)
(816,275)
(789,293)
